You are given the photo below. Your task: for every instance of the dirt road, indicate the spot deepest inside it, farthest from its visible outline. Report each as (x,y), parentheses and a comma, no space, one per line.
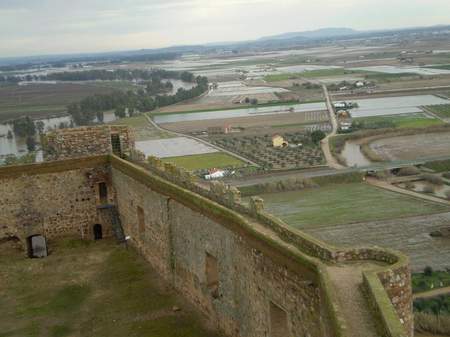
(325,143)
(433,293)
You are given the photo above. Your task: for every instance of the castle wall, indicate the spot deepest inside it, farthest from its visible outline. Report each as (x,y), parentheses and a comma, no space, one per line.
(86,141)
(52,199)
(252,277)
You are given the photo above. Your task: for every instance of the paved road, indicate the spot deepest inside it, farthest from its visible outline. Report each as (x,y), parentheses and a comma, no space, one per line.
(179,134)
(325,143)
(387,91)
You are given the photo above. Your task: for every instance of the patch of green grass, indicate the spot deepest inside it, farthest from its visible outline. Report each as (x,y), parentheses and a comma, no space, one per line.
(427,281)
(336,204)
(99,289)
(205,161)
(416,120)
(442,110)
(439,166)
(309,74)
(60,331)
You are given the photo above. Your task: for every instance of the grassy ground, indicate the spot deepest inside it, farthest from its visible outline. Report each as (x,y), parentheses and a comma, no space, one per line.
(205,161)
(87,289)
(142,128)
(418,120)
(344,203)
(442,111)
(309,74)
(42,100)
(432,280)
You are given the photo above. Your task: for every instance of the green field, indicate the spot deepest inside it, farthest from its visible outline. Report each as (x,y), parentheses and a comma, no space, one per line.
(142,128)
(344,203)
(442,111)
(205,161)
(414,120)
(95,289)
(43,100)
(308,74)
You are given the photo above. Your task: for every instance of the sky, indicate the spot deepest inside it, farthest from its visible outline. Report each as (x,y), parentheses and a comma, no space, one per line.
(40,27)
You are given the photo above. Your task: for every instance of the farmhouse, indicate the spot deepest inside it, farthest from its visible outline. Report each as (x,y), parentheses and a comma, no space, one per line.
(279,141)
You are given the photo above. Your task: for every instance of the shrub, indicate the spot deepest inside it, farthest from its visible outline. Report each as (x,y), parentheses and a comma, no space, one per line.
(433,179)
(408,171)
(410,186)
(446,175)
(428,189)
(428,271)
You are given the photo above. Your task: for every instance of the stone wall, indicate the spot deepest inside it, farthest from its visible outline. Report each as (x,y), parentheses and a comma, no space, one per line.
(86,141)
(246,270)
(252,276)
(52,199)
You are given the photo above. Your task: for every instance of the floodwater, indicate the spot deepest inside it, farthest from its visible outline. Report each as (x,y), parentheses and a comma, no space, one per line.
(173,147)
(17,145)
(353,155)
(404,70)
(270,110)
(394,105)
(235,88)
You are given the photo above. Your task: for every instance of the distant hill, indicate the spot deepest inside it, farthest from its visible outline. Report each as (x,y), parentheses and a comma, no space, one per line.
(312,34)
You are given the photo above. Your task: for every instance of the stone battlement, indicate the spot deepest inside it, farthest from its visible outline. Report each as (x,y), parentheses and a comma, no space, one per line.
(88,141)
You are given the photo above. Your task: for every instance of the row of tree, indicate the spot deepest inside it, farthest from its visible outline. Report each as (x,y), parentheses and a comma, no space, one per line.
(105,75)
(92,107)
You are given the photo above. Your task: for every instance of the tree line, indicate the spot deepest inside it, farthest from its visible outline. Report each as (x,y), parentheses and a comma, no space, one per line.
(92,107)
(104,75)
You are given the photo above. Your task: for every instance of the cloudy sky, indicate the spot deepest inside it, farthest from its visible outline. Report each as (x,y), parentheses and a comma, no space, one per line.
(33,27)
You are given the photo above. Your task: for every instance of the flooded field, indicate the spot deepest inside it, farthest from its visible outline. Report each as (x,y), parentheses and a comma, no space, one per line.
(238,88)
(394,105)
(420,146)
(261,111)
(353,155)
(173,147)
(17,145)
(404,70)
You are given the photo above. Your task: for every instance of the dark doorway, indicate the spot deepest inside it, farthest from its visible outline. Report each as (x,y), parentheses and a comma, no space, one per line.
(98,232)
(37,246)
(115,143)
(103,193)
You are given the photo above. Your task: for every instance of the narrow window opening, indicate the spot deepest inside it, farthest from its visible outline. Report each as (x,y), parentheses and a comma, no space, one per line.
(103,193)
(141,220)
(115,143)
(278,321)
(212,275)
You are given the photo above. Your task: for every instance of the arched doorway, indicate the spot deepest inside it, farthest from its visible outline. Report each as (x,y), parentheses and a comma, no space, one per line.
(98,232)
(37,246)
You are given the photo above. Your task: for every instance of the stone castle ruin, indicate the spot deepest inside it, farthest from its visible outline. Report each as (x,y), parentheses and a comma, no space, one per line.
(247,271)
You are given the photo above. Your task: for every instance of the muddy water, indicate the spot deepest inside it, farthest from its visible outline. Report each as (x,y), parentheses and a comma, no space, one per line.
(17,145)
(353,155)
